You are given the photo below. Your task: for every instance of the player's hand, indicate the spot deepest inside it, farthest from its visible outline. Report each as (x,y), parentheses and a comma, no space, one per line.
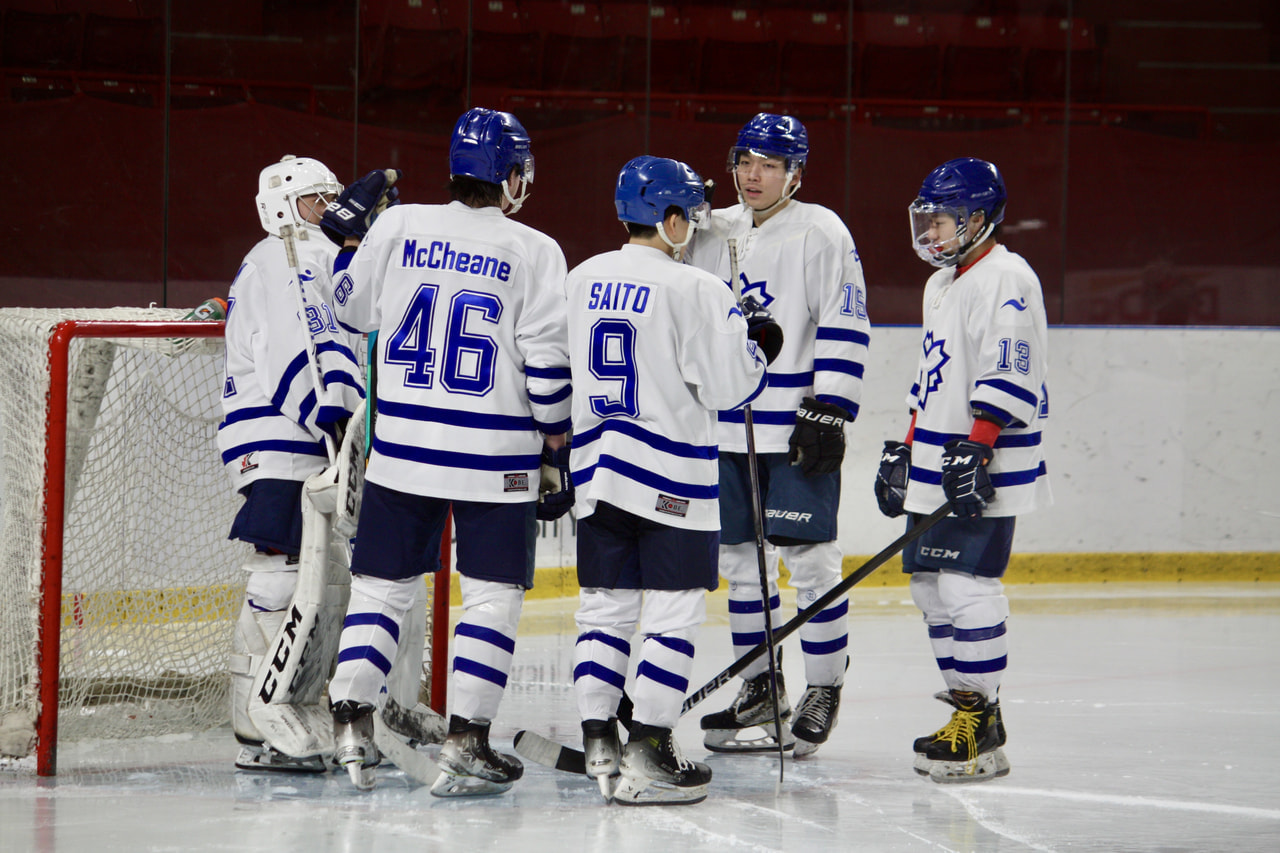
(965,480)
(891,479)
(817,442)
(353,212)
(762,328)
(555,492)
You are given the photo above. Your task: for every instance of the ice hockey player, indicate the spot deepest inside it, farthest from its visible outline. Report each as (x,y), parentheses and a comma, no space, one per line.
(473,393)
(275,420)
(978,408)
(798,261)
(657,348)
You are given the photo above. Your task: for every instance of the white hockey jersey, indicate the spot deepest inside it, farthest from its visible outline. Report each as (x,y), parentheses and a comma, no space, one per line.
(473,362)
(985,347)
(802,265)
(657,349)
(272,418)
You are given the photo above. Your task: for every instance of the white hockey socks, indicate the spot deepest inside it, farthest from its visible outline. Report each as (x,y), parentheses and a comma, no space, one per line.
(824,639)
(739,565)
(966,617)
(669,623)
(370,637)
(483,644)
(606,621)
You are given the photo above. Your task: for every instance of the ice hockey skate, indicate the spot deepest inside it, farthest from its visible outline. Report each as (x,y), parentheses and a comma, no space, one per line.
(815,718)
(747,724)
(655,771)
(469,766)
(968,748)
(602,751)
(354,749)
(258,756)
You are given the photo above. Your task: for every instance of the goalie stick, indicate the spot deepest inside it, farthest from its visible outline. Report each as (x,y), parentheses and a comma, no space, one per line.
(547,752)
(757,521)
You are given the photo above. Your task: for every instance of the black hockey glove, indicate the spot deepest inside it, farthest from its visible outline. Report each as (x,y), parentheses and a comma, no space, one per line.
(354,211)
(964,477)
(555,494)
(891,479)
(817,442)
(762,328)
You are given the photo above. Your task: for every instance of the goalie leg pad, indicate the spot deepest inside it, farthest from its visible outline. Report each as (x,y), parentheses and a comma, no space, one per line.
(267,592)
(483,645)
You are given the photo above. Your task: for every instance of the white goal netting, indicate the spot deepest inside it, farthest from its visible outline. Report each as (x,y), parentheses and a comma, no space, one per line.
(150,584)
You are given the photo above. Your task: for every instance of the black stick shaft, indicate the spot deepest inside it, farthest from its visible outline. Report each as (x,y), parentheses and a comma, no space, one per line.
(817,607)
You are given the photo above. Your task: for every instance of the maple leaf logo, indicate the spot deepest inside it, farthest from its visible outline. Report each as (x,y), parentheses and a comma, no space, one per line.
(757,287)
(935,358)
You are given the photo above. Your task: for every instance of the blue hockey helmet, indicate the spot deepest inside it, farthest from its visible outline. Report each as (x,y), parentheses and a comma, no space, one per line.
(957,189)
(647,186)
(487,145)
(773,135)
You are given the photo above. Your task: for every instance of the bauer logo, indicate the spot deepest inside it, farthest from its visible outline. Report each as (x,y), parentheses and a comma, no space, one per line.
(515,482)
(672,506)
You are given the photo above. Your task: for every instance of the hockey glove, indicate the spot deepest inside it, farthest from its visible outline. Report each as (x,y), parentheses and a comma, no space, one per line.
(964,477)
(891,479)
(762,328)
(354,211)
(555,494)
(817,442)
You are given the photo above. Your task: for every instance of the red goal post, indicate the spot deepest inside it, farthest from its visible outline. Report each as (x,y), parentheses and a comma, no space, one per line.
(118,587)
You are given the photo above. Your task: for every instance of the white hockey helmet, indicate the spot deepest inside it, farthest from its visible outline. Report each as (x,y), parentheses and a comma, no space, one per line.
(280,185)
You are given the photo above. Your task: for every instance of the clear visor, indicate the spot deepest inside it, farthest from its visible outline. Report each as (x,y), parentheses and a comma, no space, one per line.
(700,216)
(526,165)
(741,158)
(937,232)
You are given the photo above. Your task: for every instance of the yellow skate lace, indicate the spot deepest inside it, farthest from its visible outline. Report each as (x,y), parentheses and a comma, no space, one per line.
(962,731)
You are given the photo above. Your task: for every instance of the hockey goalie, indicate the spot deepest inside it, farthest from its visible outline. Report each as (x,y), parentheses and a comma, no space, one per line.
(292,442)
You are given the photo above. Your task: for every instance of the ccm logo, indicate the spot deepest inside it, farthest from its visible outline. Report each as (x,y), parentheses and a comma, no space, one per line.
(940,553)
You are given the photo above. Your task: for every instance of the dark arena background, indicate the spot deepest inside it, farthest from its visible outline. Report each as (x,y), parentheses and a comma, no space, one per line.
(1138,137)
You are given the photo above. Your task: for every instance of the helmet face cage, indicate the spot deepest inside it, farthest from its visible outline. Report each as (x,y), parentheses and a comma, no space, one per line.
(958,188)
(280,185)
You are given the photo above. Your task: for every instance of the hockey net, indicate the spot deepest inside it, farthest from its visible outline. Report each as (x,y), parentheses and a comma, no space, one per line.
(118,586)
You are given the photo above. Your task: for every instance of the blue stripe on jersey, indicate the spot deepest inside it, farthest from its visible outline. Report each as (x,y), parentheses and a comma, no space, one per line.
(453,417)
(547,372)
(291,372)
(617,643)
(1011,389)
(838,365)
(753,605)
(645,478)
(380,620)
(843,402)
(1001,480)
(787,418)
(553,397)
(661,676)
(249,414)
(658,442)
(452,459)
(300,448)
(939,439)
(341,377)
(764,381)
(329,415)
(598,670)
(999,414)
(308,403)
(831,614)
(852,336)
(553,429)
(486,635)
(791,380)
(340,349)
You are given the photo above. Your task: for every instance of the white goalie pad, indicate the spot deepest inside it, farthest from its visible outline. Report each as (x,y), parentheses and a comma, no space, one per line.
(287,701)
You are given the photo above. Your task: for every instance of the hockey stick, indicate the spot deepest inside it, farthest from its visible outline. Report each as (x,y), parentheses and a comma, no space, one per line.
(757,520)
(300,296)
(535,747)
